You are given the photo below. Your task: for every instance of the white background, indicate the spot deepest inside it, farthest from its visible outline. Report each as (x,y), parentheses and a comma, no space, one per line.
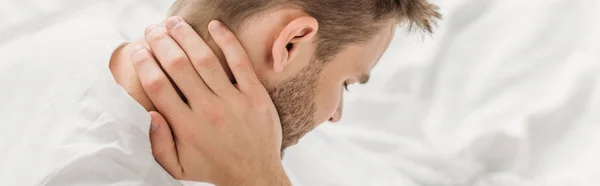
(506,92)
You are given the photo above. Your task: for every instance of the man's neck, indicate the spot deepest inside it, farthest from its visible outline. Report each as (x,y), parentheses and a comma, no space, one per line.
(125,75)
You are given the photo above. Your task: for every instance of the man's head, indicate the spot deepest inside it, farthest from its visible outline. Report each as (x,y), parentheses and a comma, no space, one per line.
(306,51)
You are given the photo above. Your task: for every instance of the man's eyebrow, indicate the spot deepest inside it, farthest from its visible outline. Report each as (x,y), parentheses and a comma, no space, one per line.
(364,79)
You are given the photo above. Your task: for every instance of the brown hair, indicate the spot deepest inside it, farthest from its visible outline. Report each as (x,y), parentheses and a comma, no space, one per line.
(341,22)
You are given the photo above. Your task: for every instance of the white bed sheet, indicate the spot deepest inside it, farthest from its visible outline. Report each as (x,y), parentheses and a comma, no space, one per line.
(507,92)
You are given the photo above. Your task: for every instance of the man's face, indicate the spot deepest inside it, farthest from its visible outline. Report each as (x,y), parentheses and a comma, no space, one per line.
(315,94)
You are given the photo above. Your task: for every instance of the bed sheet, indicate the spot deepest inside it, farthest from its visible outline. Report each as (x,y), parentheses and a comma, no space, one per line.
(506,92)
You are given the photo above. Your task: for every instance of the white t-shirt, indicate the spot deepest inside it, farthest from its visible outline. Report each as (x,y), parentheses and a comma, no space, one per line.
(64,119)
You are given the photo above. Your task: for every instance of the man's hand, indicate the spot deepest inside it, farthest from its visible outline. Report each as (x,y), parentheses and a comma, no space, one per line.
(226,134)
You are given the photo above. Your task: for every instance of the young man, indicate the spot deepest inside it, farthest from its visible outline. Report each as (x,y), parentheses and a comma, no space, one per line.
(306,52)
(79,111)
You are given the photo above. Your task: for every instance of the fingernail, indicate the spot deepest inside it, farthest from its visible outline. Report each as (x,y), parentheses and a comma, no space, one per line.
(155,31)
(151,29)
(137,49)
(216,26)
(154,126)
(173,22)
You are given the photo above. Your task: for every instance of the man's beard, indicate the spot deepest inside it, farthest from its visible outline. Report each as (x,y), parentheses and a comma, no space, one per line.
(295,103)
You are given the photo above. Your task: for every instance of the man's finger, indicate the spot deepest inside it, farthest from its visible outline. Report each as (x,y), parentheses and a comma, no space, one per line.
(157,85)
(175,62)
(163,145)
(236,56)
(204,60)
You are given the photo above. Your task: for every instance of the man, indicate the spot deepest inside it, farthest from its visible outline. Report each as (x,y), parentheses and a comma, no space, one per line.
(75,125)
(307,51)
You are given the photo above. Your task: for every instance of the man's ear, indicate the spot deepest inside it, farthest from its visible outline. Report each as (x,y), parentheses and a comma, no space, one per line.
(300,30)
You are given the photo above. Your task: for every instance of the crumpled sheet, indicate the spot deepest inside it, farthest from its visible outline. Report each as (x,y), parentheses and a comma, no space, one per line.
(505,93)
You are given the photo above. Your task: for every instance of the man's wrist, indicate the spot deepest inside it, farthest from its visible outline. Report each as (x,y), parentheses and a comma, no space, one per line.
(272,174)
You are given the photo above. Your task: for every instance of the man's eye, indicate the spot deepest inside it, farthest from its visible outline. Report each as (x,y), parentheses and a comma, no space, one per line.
(346,87)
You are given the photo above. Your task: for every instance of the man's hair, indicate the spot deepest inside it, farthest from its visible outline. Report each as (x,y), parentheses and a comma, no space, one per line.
(341,22)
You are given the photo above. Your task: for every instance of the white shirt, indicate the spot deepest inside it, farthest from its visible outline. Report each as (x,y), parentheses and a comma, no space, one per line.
(64,119)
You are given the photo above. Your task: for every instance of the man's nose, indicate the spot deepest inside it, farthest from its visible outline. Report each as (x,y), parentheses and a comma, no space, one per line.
(337,116)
